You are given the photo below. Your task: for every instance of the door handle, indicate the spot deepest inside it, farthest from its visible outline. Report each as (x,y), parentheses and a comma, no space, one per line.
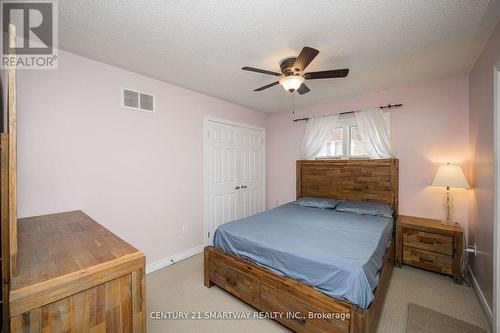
(237,187)
(243,186)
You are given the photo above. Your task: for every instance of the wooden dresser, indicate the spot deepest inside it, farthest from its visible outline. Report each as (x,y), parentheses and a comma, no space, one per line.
(76,276)
(62,272)
(429,244)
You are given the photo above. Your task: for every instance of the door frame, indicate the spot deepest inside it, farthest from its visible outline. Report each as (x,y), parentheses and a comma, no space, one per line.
(206,121)
(496,198)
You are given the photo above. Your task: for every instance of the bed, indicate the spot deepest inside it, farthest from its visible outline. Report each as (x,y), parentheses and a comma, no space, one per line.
(261,262)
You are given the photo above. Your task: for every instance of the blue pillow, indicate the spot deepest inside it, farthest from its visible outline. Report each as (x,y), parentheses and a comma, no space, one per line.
(365,208)
(316,202)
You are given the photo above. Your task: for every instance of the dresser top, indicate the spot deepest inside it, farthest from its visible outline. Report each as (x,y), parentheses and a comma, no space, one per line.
(425,224)
(53,246)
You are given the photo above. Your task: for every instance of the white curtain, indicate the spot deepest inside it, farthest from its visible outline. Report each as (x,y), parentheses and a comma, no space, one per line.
(374,132)
(318,131)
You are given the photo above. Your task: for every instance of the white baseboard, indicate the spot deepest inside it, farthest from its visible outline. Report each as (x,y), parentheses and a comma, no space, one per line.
(482,299)
(154,266)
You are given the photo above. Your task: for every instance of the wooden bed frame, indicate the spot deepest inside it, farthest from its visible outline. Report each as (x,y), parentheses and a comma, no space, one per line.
(294,304)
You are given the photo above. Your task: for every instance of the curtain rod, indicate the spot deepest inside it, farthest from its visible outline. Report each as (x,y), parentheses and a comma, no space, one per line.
(388,106)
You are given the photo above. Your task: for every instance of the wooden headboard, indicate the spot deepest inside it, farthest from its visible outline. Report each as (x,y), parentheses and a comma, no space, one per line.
(375,180)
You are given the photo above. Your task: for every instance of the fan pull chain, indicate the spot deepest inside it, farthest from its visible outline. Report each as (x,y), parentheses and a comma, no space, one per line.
(293,103)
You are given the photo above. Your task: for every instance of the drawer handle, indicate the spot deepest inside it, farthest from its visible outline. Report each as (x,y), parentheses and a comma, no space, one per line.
(430,261)
(230,282)
(426,241)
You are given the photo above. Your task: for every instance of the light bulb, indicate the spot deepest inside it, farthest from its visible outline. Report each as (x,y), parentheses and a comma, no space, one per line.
(291,82)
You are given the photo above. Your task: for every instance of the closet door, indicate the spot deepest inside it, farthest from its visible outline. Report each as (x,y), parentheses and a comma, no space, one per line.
(234,174)
(223,180)
(250,163)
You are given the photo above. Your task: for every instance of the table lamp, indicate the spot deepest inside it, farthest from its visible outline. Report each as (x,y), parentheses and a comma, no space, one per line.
(449,175)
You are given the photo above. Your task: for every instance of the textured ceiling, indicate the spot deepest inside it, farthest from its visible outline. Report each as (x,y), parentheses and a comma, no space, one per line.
(201,45)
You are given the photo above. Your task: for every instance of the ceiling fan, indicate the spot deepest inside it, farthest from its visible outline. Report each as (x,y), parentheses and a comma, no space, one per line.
(292,74)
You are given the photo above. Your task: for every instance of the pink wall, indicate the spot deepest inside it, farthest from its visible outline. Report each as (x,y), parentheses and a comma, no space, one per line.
(138,174)
(481,163)
(429,130)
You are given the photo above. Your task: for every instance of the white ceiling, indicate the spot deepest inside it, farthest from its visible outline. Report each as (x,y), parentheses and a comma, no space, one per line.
(201,45)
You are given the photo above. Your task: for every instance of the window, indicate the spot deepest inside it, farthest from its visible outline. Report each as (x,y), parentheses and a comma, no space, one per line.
(356,147)
(333,147)
(345,142)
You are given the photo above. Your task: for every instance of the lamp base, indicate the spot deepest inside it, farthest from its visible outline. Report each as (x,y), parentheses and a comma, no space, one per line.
(449,205)
(448,222)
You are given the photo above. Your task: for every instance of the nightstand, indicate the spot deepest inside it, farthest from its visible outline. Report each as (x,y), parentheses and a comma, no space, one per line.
(429,244)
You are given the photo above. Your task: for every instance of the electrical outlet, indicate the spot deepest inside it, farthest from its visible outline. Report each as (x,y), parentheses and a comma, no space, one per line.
(472,249)
(185,228)
(276,203)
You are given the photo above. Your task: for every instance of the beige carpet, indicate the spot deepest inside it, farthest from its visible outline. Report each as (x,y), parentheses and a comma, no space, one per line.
(424,320)
(179,287)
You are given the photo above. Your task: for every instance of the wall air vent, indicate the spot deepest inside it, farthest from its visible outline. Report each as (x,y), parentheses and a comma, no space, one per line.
(138,101)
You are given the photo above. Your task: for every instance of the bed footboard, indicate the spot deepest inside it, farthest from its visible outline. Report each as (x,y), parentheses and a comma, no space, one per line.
(296,305)
(289,300)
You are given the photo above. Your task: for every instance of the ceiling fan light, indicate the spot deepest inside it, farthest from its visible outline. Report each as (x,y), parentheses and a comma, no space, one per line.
(292,82)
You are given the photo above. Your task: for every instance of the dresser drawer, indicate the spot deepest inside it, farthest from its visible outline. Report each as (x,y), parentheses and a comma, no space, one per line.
(295,315)
(436,262)
(235,282)
(428,241)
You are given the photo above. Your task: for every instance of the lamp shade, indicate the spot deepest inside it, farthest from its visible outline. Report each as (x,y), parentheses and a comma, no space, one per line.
(450,175)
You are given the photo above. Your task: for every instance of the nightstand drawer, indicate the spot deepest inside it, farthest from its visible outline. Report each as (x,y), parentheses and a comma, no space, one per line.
(429,260)
(428,241)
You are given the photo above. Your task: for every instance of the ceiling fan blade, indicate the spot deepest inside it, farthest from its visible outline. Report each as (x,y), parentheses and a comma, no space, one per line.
(263,71)
(267,86)
(332,74)
(304,59)
(303,89)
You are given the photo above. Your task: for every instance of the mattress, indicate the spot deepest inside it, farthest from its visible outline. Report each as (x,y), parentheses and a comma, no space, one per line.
(335,252)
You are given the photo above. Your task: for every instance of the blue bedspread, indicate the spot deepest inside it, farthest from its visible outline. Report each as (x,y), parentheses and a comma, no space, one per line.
(337,253)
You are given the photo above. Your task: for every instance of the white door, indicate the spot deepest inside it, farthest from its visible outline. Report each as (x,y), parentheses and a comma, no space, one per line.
(234,175)
(251,150)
